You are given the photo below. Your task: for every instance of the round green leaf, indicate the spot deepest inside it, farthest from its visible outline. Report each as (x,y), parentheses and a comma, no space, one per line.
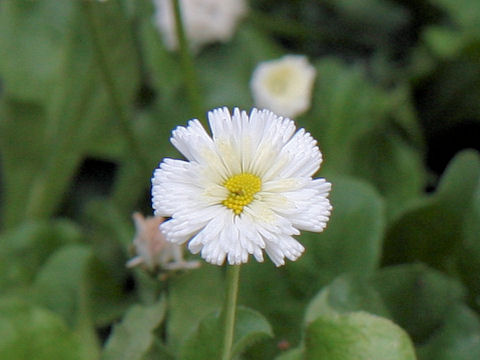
(347,293)
(357,336)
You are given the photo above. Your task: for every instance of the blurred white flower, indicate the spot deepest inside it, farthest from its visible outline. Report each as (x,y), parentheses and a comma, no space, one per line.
(246,189)
(205,21)
(152,250)
(284,85)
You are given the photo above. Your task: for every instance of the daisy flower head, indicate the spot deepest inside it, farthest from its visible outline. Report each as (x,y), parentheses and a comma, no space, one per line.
(284,85)
(246,189)
(205,21)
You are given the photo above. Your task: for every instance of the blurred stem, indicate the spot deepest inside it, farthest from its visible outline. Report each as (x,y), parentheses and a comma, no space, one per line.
(120,110)
(188,67)
(229,310)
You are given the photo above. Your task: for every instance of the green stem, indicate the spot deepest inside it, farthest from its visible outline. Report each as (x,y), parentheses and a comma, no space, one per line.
(229,310)
(188,67)
(121,112)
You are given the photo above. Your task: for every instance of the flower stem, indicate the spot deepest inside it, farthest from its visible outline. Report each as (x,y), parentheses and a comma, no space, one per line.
(229,310)
(186,59)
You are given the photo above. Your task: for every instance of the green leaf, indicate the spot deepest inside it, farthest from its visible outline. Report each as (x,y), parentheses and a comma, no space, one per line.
(468,257)
(26,248)
(396,169)
(191,297)
(444,42)
(429,229)
(294,354)
(205,342)
(466,13)
(76,285)
(417,297)
(457,339)
(345,106)
(351,242)
(133,337)
(347,293)
(250,327)
(19,120)
(60,284)
(357,336)
(33,40)
(28,332)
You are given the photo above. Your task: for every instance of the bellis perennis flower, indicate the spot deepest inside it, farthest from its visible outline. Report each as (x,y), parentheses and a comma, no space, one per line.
(205,21)
(284,85)
(246,189)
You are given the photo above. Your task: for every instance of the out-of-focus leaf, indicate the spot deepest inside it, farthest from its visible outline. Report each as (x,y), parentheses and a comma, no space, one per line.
(19,121)
(61,283)
(77,286)
(25,249)
(444,42)
(356,336)
(345,294)
(133,337)
(30,332)
(345,107)
(206,342)
(468,257)
(466,13)
(430,229)
(458,339)
(33,35)
(295,354)
(351,242)
(191,297)
(417,297)
(394,167)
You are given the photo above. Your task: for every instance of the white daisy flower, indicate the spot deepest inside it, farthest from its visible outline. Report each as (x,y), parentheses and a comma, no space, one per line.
(284,85)
(246,189)
(205,21)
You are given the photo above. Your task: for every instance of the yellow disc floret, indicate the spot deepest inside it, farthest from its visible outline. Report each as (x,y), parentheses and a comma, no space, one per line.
(242,188)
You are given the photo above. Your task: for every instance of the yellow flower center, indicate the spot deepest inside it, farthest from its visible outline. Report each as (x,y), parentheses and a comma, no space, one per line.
(242,188)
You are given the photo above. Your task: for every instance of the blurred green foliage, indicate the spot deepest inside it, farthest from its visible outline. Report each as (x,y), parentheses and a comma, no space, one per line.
(397,267)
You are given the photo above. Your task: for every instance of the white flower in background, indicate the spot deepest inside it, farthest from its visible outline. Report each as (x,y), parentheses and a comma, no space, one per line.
(152,250)
(246,189)
(284,85)
(205,21)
